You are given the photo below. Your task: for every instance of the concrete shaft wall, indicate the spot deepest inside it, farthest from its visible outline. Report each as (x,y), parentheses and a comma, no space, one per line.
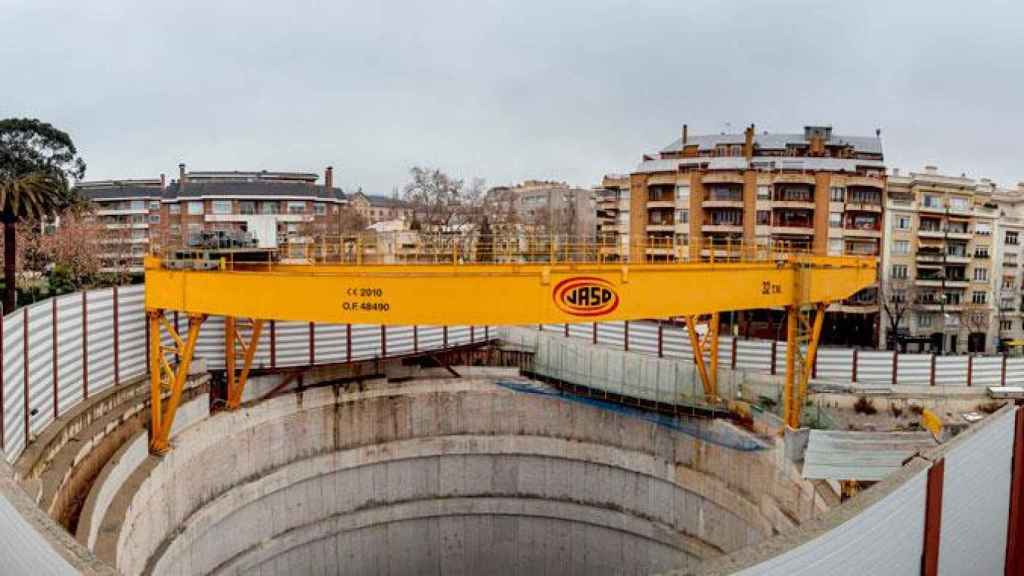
(444,477)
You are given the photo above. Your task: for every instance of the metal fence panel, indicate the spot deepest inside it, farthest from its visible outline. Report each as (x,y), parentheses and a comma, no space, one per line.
(643,337)
(834,364)
(754,355)
(459,335)
(210,342)
(69,351)
(14,386)
(584,331)
(874,367)
(131,333)
(950,370)
(430,337)
(292,343)
(400,340)
(365,341)
(40,364)
(100,336)
(331,343)
(1014,371)
(611,334)
(675,343)
(914,369)
(986,371)
(975,493)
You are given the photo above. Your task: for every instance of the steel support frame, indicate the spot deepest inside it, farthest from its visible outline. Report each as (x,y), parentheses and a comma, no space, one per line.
(803,327)
(234,344)
(164,377)
(709,342)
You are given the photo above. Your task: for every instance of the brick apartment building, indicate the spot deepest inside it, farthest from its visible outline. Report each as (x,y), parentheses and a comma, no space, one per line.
(816,191)
(140,216)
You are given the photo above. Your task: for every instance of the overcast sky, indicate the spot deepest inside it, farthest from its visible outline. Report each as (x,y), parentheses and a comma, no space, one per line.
(506,90)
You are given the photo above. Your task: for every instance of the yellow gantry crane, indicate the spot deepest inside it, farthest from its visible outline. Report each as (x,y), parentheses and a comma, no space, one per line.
(509,293)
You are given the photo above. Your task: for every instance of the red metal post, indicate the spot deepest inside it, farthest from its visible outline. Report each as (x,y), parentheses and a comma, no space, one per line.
(273,344)
(933,519)
(895,367)
(383,341)
(970,369)
(348,342)
(625,335)
(3,418)
(735,352)
(85,347)
(854,379)
(117,341)
(53,356)
(312,343)
(931,377)
(661,336)
(415,338)
(1015,528)
(595,332)
(24,352)
(775,344)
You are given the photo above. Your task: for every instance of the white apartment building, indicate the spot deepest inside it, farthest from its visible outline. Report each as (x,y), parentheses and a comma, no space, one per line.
(950,263)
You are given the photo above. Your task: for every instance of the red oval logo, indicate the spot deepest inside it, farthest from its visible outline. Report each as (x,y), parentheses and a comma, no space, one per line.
(585,296)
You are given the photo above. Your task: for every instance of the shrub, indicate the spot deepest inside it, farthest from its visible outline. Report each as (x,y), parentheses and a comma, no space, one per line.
(864,405)
(896,410)
(989,407)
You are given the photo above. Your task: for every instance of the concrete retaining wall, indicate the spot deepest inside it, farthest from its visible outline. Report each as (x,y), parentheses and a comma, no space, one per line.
(436,470)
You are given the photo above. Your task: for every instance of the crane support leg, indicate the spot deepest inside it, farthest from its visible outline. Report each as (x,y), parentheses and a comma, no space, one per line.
(801,331)
(164,377)
(234,342)
(708,377)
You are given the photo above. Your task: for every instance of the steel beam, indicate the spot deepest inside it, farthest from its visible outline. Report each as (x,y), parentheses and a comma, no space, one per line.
(162,417)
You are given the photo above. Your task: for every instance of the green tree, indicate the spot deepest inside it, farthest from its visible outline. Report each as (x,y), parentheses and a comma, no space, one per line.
(37,164)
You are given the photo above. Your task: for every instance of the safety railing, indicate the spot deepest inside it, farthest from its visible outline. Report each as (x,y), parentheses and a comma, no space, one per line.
(411,247)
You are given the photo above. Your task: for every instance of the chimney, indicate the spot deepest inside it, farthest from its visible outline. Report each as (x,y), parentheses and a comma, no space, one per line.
(163,181)
(181,177)
(329,179)
(895,171)
(685,134)
(748,142)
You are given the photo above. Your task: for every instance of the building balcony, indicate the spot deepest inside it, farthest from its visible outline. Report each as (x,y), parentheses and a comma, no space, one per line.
(661,203)
(794,179)
(121,212)
(723,178)
(928,282)
(931,233)
(960,235)
(865,181)
(737,203)
(722,228)
(793,228)
(936,307)
(142,225)
(957,259)
(798,204)
(258,217)
(934,208)
(663,227)
(862,207)
(929,257)
(862,233)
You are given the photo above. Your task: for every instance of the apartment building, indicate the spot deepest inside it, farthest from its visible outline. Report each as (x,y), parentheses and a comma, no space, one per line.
(375,208)
(547,207)
(612,199)
(951,265)
(815,190)
(277,208)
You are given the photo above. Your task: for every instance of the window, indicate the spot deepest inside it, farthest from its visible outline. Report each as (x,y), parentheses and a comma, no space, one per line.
(221,206)
(957,203)
(174,208)
(932,201)
(835,219)
(138,219)
(1007,282)
(1011,238)
(835,246)
(924,321)
(268,207)
(764,192)
(154,218)
(137,205)
(983,229)
(901,247)
(764,217)
(682,216)
(837,194)
(899,272)
(154,204)
(981,274)
(296,207)
(902,223)
(979,297)
(981,252)
(682,194)
(247,207)
(195,208)
(319,208)
(138,234)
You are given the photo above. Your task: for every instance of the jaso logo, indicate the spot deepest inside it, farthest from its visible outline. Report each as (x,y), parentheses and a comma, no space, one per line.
(585,296)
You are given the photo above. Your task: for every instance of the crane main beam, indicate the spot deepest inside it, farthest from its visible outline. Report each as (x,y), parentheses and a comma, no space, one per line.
(489,294)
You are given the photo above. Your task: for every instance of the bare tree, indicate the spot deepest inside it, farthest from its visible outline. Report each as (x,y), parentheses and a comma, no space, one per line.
(896,298)
(442,202)
(975,319)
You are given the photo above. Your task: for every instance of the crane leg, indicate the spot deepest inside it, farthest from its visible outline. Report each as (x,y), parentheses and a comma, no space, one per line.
(234,343)
(802,329)
(164,377)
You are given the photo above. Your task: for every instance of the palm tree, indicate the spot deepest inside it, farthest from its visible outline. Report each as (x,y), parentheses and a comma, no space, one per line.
(35,195)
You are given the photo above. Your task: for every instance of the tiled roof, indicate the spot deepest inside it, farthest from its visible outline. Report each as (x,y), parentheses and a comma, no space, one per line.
(867,144)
